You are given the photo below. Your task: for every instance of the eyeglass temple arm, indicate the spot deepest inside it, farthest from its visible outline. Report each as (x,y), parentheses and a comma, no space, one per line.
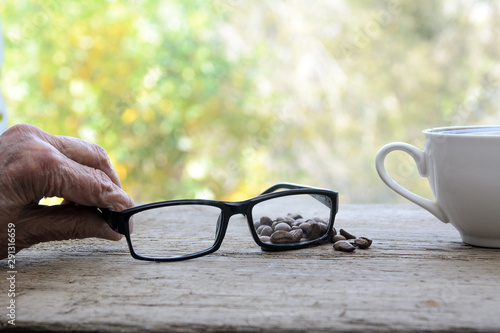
(291,186)
(112,218)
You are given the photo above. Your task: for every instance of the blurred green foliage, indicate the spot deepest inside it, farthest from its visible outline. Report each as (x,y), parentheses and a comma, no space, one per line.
(147,80)
(223,98)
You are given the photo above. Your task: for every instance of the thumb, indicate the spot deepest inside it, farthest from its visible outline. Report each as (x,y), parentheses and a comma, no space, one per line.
(38,224)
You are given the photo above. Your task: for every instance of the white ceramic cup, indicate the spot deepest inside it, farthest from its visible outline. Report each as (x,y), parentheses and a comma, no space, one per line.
(462,165)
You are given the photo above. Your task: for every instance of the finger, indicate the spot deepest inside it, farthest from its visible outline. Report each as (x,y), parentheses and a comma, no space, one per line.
(85,185)
(46,171)
(83,152)
(38,224)
(80,151)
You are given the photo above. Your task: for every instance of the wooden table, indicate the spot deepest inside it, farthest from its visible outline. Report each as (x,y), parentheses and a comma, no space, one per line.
(417,276)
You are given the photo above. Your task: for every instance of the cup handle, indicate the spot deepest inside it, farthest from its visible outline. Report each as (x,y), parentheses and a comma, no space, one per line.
(420,159)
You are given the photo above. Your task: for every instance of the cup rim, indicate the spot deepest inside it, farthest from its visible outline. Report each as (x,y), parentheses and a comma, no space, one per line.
(464,130)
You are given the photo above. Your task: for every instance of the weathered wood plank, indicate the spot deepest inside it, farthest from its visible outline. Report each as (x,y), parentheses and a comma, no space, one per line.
(417,276)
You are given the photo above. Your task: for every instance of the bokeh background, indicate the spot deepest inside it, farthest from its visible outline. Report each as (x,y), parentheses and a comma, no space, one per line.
(220,99)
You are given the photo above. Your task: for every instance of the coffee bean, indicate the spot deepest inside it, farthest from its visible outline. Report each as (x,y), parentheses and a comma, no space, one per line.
(265,230)
(296,235)
(315,231)
(369,241)
(281,237)
(295,216)
(343,245)
(299,221)
(265,239)
(306,227)
(347,234)
(275,223)
(264,220)
(311,229)
(332,233)
(361,243)
(337,238)
(282,226)
(323,227)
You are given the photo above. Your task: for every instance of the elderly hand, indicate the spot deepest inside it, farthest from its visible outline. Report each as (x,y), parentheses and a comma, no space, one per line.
(35,164)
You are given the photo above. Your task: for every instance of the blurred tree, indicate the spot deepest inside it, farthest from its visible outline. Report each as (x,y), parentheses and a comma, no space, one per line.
(221,99)
(147,80)
(354,75)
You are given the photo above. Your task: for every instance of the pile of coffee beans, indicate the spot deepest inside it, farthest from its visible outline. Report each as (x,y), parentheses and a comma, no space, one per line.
(345,241)
(290,229)
(295,229)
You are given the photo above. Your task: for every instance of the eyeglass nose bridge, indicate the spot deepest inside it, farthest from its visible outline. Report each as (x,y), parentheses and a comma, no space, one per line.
(230,209)
(235,208)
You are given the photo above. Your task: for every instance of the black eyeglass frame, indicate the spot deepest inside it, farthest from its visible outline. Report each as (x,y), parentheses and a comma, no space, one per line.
(119,220)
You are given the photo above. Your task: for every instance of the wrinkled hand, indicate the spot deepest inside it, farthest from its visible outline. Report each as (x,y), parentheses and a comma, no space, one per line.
(35,164)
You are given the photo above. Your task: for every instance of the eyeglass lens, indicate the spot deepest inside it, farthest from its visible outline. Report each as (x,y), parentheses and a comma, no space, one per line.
(174,231)
(292,219)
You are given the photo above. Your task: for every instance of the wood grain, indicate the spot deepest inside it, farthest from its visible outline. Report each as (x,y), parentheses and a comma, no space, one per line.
(417,277)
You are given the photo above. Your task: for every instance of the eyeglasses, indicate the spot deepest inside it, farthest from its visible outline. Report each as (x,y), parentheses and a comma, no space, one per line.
(284,217)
